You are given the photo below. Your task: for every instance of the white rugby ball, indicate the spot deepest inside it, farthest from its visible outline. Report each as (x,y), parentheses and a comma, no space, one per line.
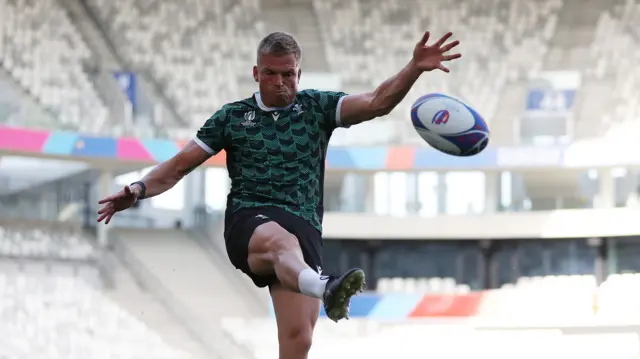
(449,125)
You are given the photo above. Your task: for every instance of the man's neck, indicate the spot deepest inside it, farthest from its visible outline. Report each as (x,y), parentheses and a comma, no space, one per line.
(265,107)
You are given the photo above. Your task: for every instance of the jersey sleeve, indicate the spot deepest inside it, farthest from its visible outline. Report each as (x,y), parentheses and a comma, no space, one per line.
(330,102)
(211,136)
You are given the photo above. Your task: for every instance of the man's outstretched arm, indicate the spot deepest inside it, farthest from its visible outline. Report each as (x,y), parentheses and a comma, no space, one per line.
(167,174)
(159,180)
(367,106)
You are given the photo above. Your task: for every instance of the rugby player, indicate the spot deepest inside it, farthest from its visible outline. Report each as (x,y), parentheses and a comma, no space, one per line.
(275,142)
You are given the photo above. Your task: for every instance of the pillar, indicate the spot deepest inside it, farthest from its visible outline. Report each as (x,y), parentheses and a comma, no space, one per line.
(194,192)
(492,195)
(607,190)
(442,193)
(369,192)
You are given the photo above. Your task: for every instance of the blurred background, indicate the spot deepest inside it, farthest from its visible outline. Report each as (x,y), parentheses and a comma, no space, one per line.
(530,249)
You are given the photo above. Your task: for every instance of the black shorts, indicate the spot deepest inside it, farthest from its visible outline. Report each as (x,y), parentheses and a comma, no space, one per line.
(239,227)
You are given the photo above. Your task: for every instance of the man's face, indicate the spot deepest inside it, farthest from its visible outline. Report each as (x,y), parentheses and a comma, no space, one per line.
(277,78)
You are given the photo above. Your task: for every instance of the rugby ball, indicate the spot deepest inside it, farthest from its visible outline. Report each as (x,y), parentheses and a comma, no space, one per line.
(449,125)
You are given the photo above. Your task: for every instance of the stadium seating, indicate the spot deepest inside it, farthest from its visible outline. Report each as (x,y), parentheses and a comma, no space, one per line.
(205,55)
(534,303)
(44,53)
(199,50)
(420,285)
(58,316)
(202,51)
(369,339)
(566,298)
(615,55)
(45,243)
(619,297)
(367,41)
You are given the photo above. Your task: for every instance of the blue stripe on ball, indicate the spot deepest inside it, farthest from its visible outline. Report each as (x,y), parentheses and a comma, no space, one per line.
(470,142)
(424,98)
(416,120)
(480,123)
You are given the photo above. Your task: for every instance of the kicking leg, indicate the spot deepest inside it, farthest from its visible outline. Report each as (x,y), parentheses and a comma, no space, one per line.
(296,316)
(272,249)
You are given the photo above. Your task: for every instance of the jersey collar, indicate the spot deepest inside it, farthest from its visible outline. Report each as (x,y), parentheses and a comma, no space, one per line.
(263,107)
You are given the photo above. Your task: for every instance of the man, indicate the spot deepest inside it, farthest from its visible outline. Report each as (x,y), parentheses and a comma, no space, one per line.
(276,143)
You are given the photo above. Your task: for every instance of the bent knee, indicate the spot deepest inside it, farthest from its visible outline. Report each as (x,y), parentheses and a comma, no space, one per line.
(267,242)
(297,338)
(270,237)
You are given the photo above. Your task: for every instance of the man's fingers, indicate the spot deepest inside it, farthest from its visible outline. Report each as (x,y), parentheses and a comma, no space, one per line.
(425,38)
(127,190)
(444,68)
(112,198)
(451,57)
(103,216)
(443,39)
(108,219)
(449,46)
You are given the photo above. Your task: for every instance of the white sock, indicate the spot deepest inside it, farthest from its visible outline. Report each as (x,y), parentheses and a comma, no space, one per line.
(311,284)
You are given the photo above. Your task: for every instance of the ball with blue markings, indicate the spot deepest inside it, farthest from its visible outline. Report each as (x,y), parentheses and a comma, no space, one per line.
(449,125)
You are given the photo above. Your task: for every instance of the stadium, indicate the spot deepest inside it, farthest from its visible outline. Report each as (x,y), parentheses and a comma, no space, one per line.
(530,249)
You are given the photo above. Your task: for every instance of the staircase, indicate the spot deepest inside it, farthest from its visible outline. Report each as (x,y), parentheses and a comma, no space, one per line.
(574,34)
(103,66)
(131,295)
(107,60)
(298,18)
(201,294)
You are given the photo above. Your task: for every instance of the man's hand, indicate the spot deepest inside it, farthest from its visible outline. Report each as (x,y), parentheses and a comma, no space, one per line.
(430,57)
(118,202)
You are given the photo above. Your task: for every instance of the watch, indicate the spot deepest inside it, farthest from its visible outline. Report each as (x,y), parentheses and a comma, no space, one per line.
(143,189)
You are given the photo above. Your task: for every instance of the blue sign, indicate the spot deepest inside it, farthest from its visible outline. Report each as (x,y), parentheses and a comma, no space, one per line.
(550,100)
(127,82)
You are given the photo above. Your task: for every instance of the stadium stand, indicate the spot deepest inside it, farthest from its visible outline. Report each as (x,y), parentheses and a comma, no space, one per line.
(43,52)
(185,268)
(62,316)
(615,50)
(420,285)
(610,64)
(155,312)
(52,270)
(504,41)
(201,289)
(51,243)
(378,340)
(174,296)
(196,49)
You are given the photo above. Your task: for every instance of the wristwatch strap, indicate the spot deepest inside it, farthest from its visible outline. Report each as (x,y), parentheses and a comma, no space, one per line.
(142,187)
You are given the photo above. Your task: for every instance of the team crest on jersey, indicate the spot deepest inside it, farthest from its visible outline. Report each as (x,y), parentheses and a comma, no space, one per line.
(298,109)
(248,119)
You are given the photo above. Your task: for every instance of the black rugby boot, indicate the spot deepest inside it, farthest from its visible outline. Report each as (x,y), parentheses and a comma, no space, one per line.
(338,293)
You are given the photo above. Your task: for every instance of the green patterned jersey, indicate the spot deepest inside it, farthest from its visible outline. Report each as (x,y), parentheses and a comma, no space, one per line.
(275,156)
